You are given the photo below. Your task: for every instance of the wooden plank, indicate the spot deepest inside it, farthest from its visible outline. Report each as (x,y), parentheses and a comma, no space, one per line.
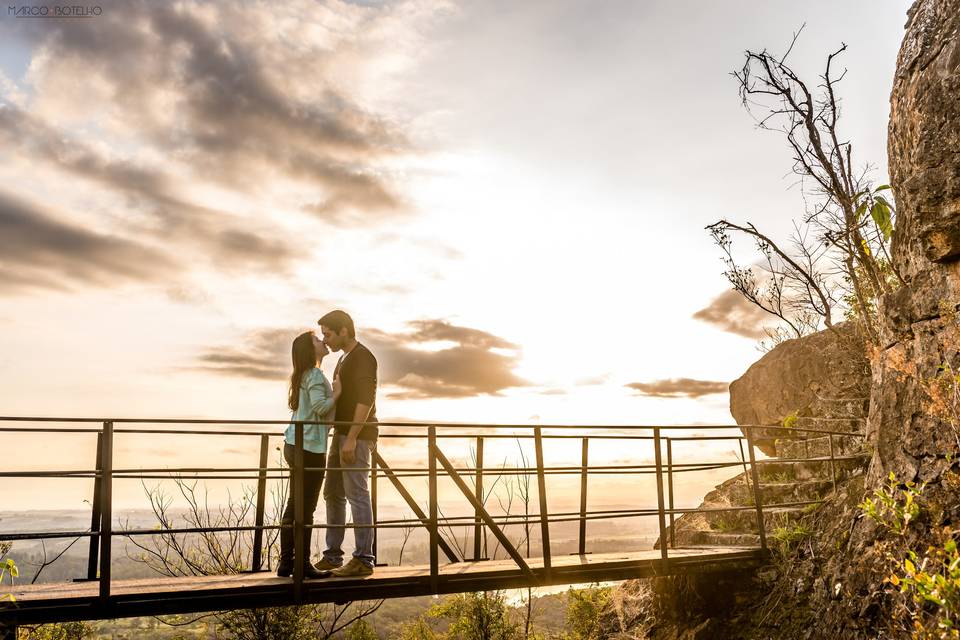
(79,601)
(166,585)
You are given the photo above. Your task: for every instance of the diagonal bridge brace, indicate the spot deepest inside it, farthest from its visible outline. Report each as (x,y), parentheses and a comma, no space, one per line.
(487,520)
(417,511)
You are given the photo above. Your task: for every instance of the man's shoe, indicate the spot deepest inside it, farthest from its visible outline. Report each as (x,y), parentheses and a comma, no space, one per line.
(353,569)
(325,565)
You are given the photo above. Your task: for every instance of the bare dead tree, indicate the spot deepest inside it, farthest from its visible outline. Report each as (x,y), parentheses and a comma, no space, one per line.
(406,532)
(837,259)
(226,551)
(45,560)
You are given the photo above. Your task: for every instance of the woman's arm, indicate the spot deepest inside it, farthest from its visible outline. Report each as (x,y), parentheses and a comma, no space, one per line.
(321,401)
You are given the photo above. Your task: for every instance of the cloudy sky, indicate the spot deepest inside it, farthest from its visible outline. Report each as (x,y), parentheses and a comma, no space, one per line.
(509,197)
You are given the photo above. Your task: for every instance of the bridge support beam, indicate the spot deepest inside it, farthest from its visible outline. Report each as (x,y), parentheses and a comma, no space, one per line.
(478,507)
(417,511)
(8,631)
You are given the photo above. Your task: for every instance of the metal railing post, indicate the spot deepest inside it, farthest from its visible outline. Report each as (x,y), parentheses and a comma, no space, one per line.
(757,494)
(479,534)
(542,494)
(833,469)
(434,531)
(660,506)
(106,506)
(298,507)
(257,562)
(584,453)
(673,534)
(93,555)
(373,503)
(743,459)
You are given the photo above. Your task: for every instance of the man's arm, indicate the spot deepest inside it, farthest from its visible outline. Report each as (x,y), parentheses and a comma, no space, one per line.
(349,447)
(366,381)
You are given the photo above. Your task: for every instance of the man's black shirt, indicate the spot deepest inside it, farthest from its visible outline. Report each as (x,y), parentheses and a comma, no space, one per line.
(357,371)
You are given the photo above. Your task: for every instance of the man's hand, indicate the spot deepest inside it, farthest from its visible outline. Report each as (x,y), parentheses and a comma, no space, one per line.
(337,387)
(348,450)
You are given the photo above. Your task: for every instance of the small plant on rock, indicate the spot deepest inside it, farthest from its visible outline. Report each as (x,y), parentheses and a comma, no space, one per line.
(932,584)
(896,505)
(788,537)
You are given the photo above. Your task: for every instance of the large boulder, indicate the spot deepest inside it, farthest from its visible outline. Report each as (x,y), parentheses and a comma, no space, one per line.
(921,336)
(823,379)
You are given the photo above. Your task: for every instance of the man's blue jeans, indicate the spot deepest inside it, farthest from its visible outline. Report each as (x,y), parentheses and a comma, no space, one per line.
(349,486)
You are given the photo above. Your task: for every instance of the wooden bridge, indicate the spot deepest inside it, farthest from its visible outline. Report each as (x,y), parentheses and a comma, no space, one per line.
(98,595)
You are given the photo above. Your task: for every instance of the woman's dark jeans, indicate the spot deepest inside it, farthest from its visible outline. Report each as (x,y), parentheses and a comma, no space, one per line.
(312,481)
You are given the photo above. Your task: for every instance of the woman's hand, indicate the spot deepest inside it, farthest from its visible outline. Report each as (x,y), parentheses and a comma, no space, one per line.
(337,387)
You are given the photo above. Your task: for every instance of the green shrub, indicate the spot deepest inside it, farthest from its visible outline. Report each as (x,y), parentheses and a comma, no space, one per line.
(584,607)
(361,630)
(896,505)
(933,582)
(789,536)
(482,615)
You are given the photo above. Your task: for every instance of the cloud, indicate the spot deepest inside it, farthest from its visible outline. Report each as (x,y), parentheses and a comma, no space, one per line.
(264,355)
(470,368)
(678,387)
(186,120)
(39,250)
(732,313)
(228,242)
(222,88)
(467,369)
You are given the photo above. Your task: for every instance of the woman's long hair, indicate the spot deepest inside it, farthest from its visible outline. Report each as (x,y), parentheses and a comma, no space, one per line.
(304,358)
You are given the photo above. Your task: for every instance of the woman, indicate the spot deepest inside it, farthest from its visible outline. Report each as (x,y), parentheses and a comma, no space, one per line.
(311,398)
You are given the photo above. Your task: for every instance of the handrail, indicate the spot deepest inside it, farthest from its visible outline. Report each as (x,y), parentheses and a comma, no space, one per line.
(663,467)
(425,425)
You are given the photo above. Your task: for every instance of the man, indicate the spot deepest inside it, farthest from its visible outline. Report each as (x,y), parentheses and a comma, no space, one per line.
(352,448)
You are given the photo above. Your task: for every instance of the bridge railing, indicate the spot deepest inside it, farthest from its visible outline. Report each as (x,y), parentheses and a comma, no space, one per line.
(468,480)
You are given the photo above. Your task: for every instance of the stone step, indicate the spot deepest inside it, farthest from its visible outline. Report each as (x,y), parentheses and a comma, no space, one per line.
(778,492)
(818,447)
(745,520)
(715,539)
(815,468)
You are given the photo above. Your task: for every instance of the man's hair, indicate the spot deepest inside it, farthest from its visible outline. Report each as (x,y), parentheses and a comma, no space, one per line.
(338,320)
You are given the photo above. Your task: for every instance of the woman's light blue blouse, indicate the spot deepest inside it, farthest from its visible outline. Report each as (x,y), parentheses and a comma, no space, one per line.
(316,403)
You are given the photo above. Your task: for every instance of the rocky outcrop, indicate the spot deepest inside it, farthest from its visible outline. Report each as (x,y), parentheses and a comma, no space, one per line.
(834,584)
(823,379)
(921,332)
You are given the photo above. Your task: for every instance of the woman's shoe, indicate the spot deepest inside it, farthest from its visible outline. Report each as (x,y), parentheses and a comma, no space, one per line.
(309,573)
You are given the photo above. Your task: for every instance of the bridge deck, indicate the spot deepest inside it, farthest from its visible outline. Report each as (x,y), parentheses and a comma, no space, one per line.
(152,596)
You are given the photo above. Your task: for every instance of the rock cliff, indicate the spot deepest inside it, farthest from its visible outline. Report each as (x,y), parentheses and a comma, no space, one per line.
(822,379)
(920,332)
(833,584)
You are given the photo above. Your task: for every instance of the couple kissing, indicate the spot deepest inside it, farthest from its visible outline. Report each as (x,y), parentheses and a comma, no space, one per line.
(344,459)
